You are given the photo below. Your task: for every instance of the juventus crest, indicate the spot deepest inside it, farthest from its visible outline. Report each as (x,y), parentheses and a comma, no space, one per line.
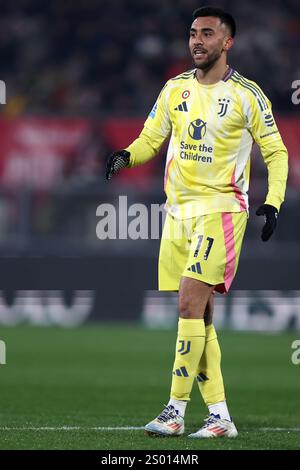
(223,103)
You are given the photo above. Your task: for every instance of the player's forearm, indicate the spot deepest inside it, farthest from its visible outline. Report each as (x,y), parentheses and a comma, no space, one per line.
(276,160)
(145,147)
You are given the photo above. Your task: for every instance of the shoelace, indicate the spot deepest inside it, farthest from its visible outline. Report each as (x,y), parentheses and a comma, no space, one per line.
(168,413)
(210,420)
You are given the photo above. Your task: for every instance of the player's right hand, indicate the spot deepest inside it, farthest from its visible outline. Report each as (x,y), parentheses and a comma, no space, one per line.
(116,161)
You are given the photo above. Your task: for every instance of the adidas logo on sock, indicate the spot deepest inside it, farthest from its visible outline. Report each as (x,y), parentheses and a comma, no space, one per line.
(182,372)
(201,377)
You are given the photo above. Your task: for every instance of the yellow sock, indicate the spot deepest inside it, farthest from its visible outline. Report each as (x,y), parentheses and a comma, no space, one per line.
(189,348)
(209,375)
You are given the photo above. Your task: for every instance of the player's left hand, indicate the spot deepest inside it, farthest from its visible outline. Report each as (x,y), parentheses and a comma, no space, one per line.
(271,214)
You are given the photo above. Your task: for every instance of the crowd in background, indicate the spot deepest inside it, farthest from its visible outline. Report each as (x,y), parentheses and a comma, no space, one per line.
(105,61)
(111,57)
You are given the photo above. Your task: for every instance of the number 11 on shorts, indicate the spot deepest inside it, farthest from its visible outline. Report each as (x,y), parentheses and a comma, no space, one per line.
(209,246)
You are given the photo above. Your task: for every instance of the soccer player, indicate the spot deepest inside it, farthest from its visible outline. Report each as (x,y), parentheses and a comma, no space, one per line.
(213,115)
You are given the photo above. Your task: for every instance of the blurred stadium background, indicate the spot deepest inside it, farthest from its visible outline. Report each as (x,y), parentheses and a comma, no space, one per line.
(81,76)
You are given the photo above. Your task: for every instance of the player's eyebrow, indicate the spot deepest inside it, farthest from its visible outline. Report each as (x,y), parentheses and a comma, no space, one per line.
(194,30)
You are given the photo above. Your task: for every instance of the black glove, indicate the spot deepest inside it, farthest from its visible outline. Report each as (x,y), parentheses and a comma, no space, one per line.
(271,214)
(116,161)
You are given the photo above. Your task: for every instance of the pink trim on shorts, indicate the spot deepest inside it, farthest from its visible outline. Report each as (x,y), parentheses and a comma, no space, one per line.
(230,250)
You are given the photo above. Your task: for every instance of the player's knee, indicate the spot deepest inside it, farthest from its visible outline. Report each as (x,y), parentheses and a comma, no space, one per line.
(187,308)
(184,309)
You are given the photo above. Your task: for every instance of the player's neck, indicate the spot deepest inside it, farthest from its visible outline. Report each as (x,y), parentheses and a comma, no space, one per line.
(212,75)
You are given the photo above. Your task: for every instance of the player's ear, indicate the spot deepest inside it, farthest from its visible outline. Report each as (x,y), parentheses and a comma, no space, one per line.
(228,43)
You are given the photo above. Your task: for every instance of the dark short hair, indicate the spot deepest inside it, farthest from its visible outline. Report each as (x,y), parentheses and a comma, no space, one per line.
(225,18)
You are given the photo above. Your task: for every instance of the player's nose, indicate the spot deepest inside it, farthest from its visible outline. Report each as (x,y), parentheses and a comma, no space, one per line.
(198,41)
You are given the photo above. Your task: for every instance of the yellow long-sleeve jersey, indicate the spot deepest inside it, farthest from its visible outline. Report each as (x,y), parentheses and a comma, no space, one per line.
(212,130)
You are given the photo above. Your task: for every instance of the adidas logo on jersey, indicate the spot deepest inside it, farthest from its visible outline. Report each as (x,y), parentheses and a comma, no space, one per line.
(182,107)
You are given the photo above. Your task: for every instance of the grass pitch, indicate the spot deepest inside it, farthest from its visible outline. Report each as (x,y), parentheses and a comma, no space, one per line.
(61,389)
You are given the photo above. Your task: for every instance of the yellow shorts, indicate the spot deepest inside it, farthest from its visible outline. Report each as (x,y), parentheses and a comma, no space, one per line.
(205,248)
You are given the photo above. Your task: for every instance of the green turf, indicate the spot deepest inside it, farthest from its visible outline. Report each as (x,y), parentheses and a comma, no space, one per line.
(108,376)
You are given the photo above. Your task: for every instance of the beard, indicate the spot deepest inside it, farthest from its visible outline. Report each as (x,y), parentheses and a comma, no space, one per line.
(209,62)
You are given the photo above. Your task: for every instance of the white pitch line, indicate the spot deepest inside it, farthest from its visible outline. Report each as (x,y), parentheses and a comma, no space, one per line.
(278,429)
(72,428)
(123,428)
